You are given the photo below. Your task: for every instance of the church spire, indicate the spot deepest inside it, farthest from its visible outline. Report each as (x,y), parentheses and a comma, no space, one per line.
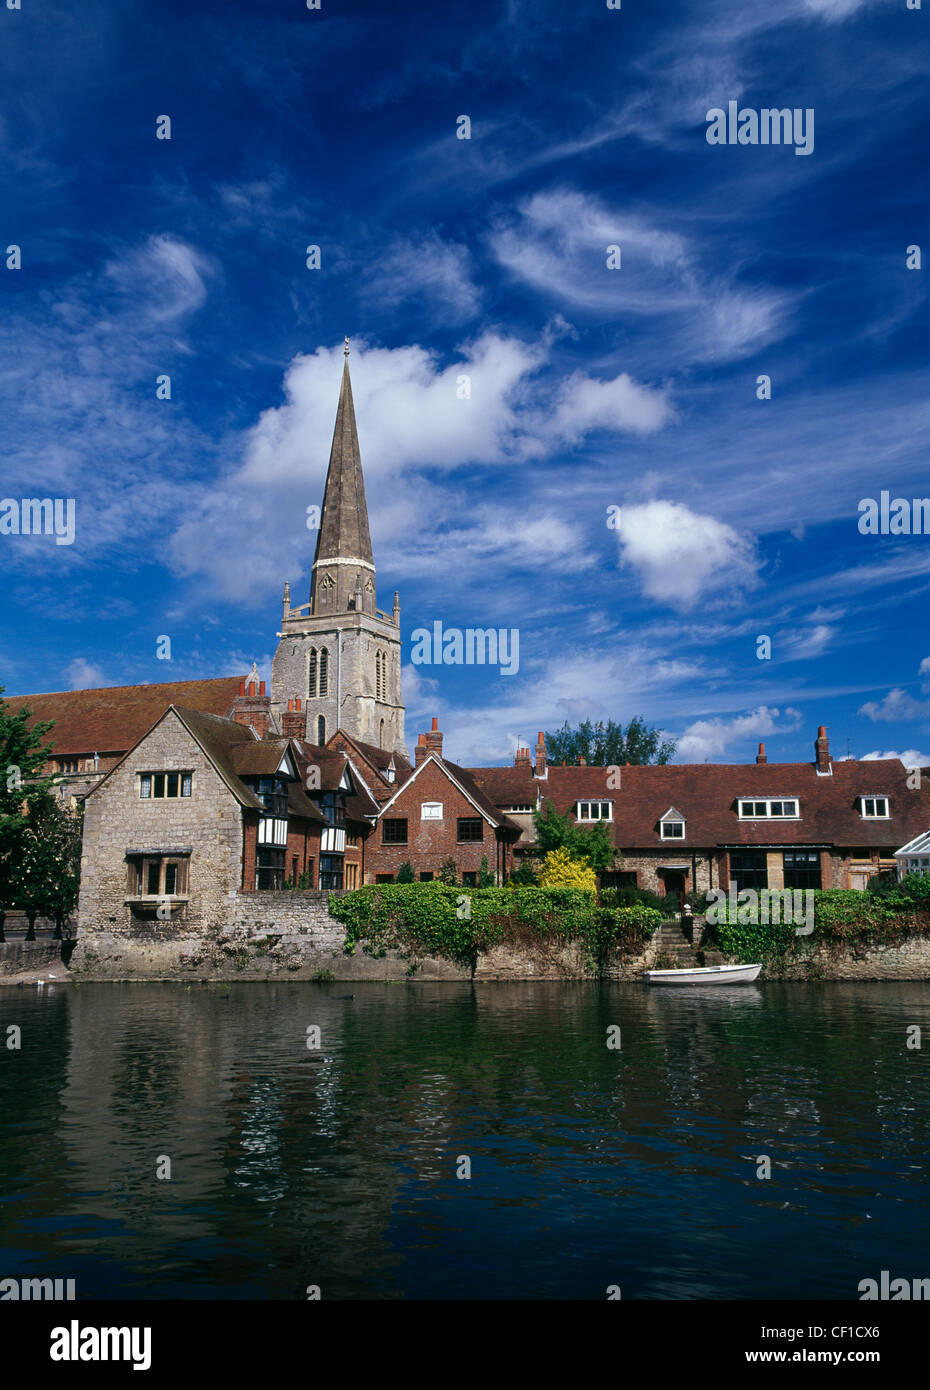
(344,535)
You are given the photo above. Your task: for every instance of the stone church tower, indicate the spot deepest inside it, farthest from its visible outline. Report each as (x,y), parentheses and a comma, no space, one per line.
(338,654)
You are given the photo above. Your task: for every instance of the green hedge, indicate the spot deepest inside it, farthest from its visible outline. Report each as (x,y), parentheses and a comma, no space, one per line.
(440,920)
(840,915)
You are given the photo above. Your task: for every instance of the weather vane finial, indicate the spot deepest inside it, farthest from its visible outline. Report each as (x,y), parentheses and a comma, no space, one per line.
(347,345)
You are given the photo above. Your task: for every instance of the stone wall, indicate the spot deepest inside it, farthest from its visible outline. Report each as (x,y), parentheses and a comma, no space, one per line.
(116,819)
(291,934)
(906,960)
(27,957)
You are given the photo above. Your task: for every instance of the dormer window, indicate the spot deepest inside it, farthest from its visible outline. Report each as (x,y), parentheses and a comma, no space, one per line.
(770,808)
(672,825)
(594,810)
(874,808)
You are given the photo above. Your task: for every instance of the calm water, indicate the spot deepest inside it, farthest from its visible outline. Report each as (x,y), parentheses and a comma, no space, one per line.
(590,1167)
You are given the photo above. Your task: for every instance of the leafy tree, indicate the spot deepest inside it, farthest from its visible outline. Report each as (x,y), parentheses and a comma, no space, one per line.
(560,832)
(49,870)
(405,872)
(524,874)
(608,745)
(23,786)
(560,870)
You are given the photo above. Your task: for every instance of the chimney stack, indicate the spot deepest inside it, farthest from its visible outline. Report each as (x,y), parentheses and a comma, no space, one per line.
(293,723)
(433,739)
(760,756)
(540,755)
(521,756)
(254,709)
(822,749)
(421,751)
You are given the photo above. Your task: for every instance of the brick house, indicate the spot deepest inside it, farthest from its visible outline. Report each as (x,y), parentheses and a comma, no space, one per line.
(440,813)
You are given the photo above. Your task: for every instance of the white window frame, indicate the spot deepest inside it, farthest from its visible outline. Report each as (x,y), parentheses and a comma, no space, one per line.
(430,810)
(673,820)
(886,814)
(768,802)
(594,820)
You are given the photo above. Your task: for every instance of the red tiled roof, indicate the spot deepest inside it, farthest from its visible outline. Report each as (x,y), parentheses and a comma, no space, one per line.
(706,795)
(113,719)
(507,786)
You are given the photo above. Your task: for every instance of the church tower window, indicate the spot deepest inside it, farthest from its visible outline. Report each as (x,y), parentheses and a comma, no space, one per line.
(321,730)
(312,674)
(324,672)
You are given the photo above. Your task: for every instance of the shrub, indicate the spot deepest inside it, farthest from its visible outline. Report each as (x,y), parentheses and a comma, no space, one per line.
(485,877)
(628,897)
(449,872)
(405,873)
(560,870)
(524,873)
(439,920)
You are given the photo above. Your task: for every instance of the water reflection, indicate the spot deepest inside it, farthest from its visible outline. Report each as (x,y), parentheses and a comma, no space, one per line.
(589,1165)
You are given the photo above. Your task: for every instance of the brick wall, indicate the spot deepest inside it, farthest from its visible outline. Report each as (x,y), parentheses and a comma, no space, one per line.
(429,842)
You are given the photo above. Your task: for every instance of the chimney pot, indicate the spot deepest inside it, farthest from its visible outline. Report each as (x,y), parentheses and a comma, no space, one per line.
(261,688)
(251,687)
(297,703)
(290,705)
(435,722)
(242,686)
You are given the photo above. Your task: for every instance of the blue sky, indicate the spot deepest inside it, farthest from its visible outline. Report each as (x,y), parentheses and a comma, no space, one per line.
(441,257)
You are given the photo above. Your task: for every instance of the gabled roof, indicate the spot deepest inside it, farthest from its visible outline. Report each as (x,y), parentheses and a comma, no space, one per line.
(376,760)
(461,778)
(265,759)
(114,718)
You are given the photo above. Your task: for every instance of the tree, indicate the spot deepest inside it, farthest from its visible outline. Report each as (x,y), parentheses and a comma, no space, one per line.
(524,873)
(405,872)
(554,832)
(23,786)
(560,870)
(608,745)
(49,870)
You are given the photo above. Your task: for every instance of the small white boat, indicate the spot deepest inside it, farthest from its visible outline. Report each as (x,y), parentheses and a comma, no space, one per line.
(704,975)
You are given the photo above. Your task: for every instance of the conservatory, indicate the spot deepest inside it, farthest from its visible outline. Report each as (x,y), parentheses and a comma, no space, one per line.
(914,858)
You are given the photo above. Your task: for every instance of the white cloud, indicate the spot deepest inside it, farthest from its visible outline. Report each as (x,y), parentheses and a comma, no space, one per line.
(708,738)
(681,556)
(910,757)
(897,704)
(164,279)
(429,269)
(800,645)
(558,244)
(84,675)
(834,9)
(586,404)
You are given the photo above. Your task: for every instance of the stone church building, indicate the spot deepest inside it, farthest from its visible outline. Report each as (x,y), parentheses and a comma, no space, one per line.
(339,653)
